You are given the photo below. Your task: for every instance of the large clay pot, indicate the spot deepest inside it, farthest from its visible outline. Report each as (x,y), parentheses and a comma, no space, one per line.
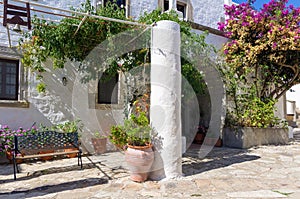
(139,161)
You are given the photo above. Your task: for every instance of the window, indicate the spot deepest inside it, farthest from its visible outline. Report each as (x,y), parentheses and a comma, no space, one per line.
(9,79)
(181,7)
(108,89)
(120,3)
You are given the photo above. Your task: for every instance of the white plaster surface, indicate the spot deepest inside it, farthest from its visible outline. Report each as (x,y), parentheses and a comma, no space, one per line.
(165,109)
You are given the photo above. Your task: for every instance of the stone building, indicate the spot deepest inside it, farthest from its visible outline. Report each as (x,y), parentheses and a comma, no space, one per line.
(22,105)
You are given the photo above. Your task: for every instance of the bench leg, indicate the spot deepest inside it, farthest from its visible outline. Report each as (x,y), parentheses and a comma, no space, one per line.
(79,159)
(15,167)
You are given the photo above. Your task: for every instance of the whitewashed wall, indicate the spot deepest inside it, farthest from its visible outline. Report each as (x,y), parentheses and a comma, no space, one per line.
(208,12)
(204,12)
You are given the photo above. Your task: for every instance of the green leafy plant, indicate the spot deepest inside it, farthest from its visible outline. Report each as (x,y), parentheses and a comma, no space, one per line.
(41,87)
(98,134)
(136,130)
(69,127)
(118,136)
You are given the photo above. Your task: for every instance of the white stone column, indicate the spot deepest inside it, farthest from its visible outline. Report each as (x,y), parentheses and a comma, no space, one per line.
(172,5)
(165,109)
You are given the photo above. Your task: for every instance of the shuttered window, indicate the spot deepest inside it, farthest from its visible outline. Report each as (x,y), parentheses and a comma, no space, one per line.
(108,89)
(9,79)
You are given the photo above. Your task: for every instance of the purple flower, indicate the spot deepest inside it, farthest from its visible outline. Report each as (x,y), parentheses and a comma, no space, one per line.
(221,26)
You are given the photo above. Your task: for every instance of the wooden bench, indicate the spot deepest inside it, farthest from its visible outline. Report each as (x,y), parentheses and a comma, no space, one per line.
(35,146)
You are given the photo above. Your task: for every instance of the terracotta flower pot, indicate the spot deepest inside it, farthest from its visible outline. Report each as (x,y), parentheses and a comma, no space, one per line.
(139,161)
(199,138)
(50,157)
(99,145)
(9,156)
(72,155)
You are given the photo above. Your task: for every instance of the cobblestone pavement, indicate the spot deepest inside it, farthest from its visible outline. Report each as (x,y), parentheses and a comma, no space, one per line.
(261,172)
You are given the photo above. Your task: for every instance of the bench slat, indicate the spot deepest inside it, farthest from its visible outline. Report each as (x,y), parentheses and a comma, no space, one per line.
(47,154)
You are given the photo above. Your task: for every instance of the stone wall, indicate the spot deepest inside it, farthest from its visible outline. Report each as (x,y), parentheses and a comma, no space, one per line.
(248,137)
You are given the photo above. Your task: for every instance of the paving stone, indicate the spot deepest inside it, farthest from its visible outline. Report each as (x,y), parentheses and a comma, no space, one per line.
(260,172)
(256,194)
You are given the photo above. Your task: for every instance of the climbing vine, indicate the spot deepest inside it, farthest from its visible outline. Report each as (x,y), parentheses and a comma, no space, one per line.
(66,41)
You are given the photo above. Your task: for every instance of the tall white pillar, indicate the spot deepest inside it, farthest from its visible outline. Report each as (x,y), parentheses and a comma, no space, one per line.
(165,109)
(172,5)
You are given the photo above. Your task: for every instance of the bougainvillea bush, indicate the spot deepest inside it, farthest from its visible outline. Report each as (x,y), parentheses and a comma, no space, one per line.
(262,57)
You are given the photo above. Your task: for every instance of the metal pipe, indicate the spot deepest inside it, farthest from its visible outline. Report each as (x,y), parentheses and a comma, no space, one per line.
(83,14)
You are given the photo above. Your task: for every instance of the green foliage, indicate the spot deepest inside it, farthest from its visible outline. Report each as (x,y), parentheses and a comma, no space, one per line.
(254,113)
(194,78)
(64,41)
(136,130)
(244,108)
(98,134)
(66,127)
(118,136)
(41,87)
(60,43)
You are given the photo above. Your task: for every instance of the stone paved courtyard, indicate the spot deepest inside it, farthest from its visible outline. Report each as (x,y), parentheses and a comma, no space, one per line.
(261,172)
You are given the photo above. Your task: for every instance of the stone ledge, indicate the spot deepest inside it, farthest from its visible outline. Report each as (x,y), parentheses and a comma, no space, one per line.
(14,104)
(248,137)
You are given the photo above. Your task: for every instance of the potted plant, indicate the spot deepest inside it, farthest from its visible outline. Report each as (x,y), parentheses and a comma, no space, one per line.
(99,142)
(201,133)
(134,137)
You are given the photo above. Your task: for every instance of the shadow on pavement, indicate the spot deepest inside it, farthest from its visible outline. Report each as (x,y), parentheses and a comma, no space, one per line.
(47,189)
(217,158)
(48,171)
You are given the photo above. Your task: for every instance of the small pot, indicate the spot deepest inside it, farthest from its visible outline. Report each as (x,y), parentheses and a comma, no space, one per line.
(199,138)
(99,145)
